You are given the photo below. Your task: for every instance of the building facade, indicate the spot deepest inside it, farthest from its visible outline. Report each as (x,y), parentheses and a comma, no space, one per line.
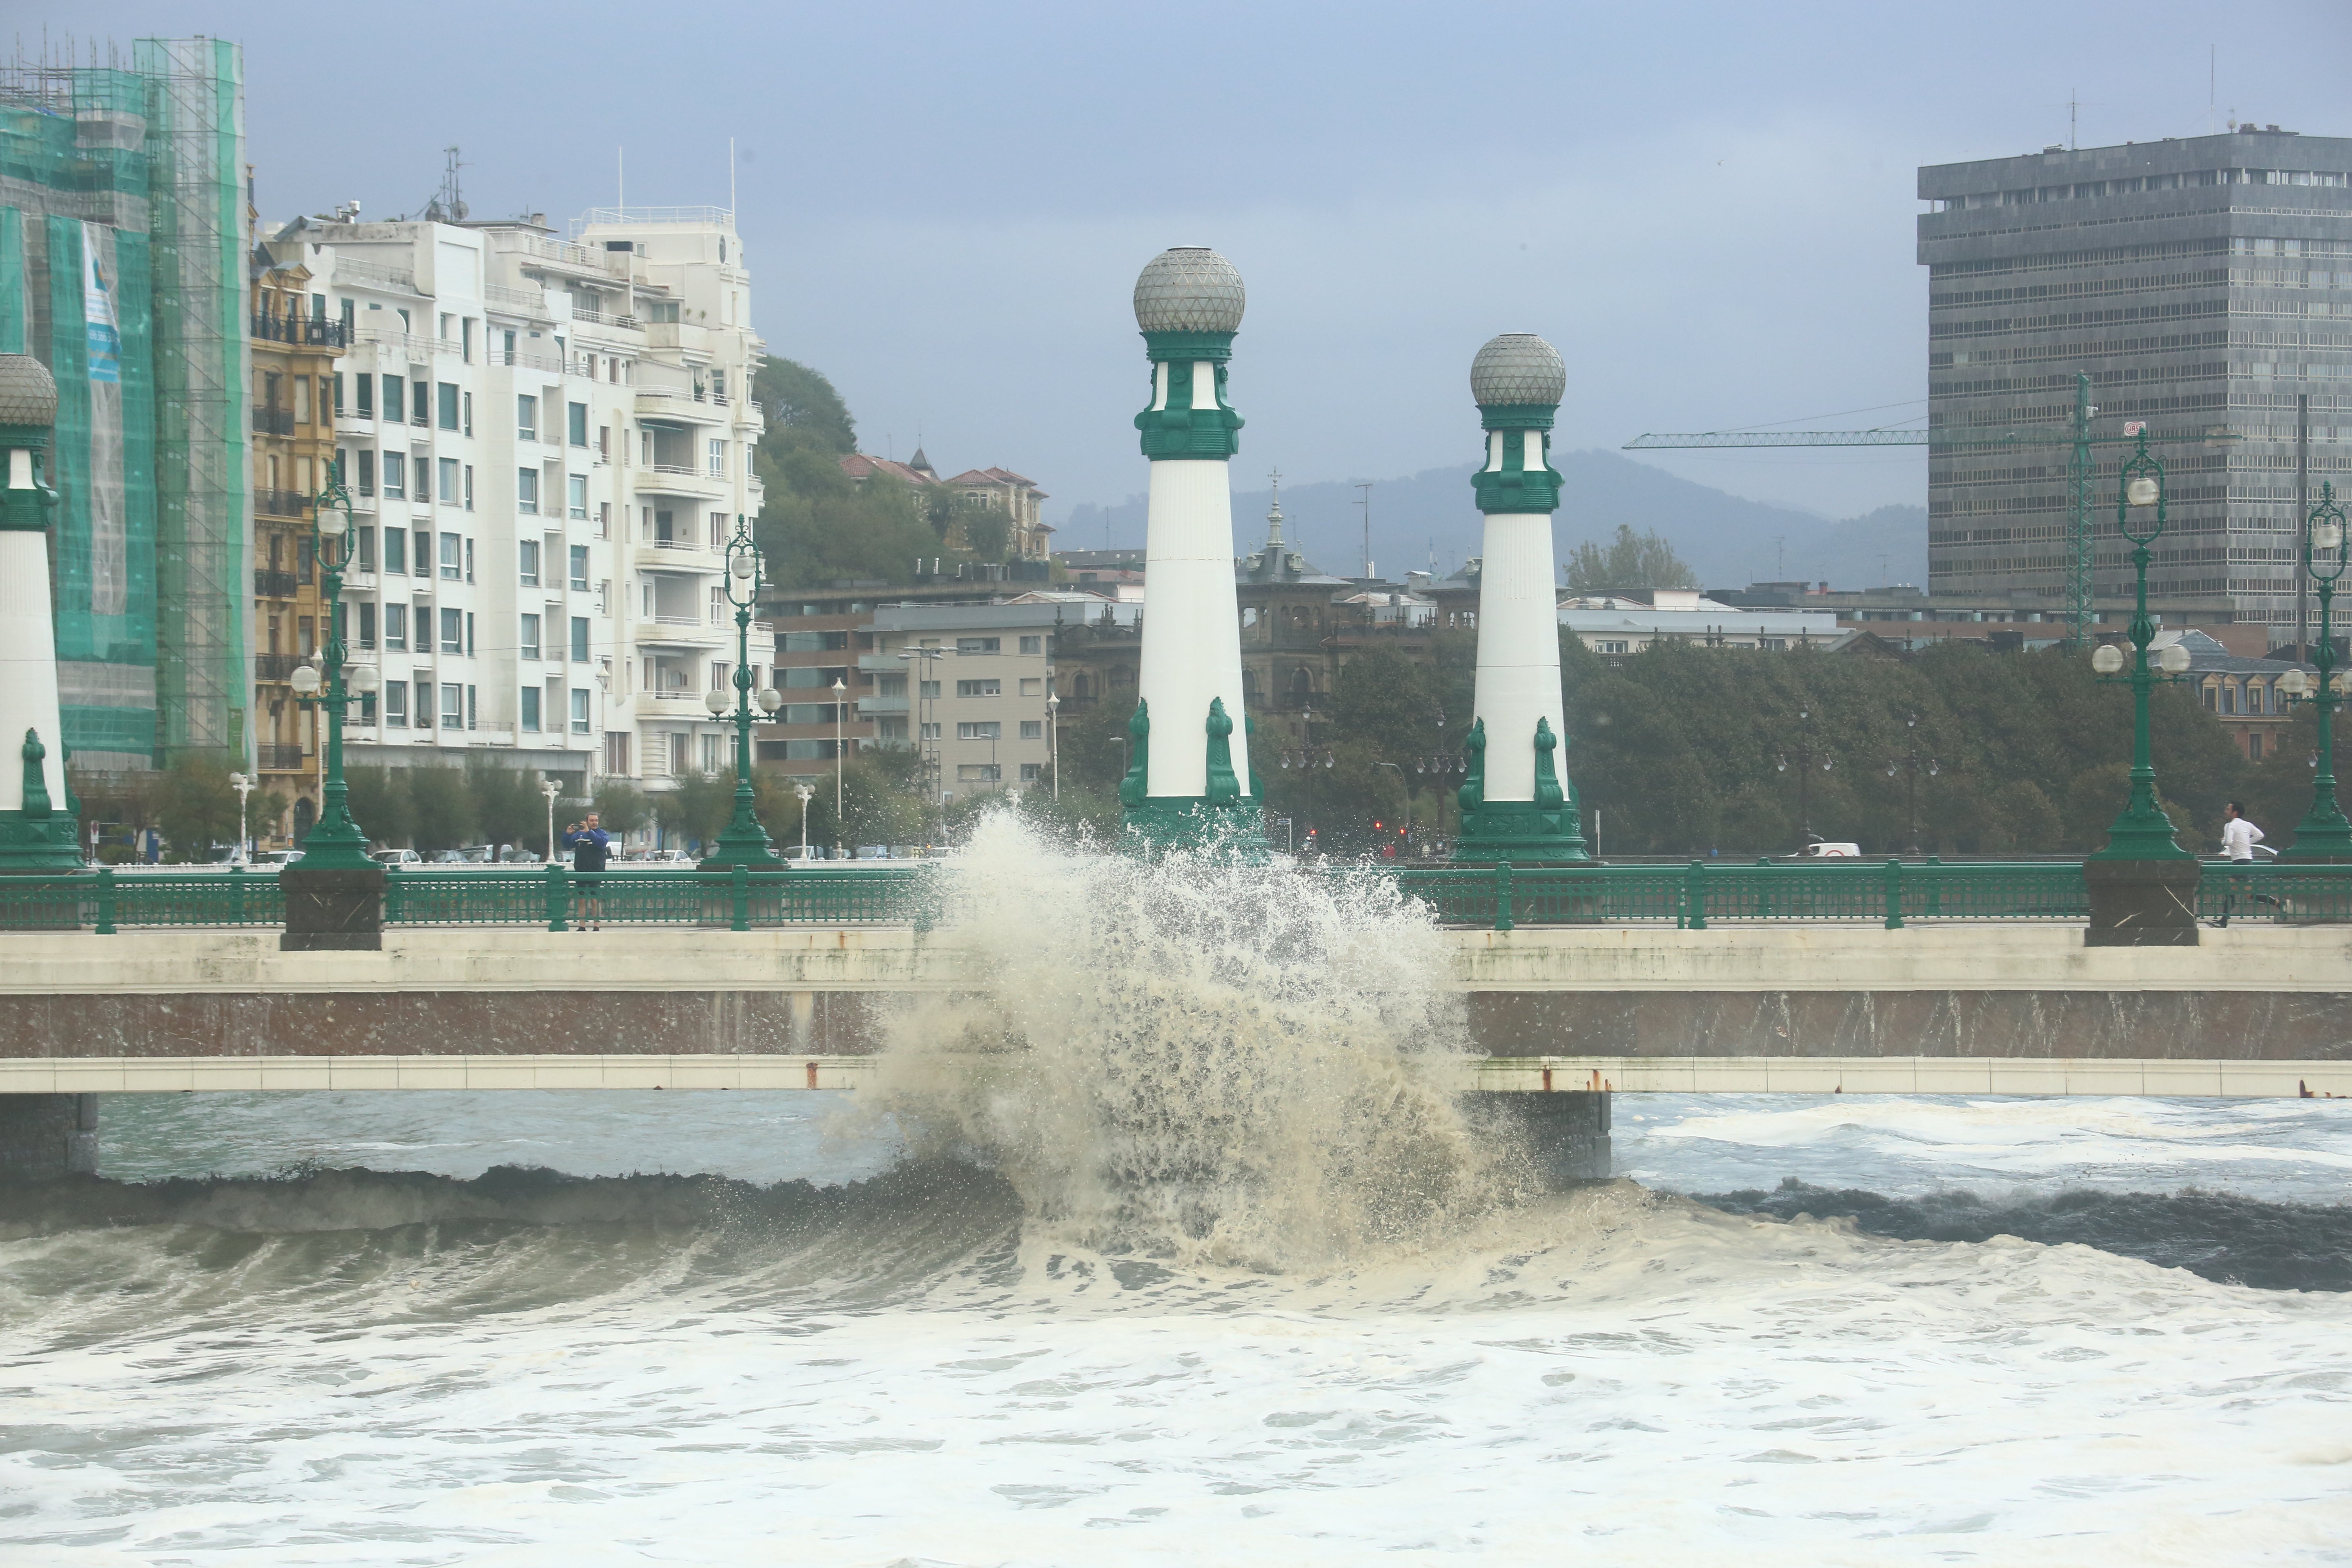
(548,443)
(967,685)
(2205,284)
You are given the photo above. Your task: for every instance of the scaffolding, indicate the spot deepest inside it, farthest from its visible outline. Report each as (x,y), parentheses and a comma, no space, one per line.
(195,118)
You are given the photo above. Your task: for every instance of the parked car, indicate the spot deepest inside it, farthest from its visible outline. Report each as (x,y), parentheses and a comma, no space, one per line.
(275,859)
(397,857)
(1820,851)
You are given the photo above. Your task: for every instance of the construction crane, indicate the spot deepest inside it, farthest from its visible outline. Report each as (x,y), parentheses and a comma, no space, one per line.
(2076,434)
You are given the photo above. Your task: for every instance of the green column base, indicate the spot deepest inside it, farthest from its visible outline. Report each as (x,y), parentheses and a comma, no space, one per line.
(1522,833)
(1196,822)
(2321,842)
(50,843)
(742,843)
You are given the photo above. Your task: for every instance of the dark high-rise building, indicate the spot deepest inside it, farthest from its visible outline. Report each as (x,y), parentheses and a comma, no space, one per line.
(2205,284)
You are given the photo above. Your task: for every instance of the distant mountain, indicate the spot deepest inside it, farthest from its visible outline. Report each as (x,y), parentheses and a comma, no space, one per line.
(1729,542)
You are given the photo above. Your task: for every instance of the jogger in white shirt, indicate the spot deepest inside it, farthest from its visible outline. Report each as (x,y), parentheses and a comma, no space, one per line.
(2239,837)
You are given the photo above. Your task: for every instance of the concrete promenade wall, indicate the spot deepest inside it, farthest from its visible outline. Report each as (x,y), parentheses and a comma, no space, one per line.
(1965,1003)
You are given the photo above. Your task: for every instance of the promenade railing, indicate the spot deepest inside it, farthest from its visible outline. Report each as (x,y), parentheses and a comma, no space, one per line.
(1694,896)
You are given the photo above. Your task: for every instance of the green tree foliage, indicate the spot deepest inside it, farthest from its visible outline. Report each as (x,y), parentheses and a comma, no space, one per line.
(878,802)
(378,802)
(987,532)
(195,806)
(819,525)
(699,807)
(620,807)
(507,808)
(1628,560)
(442,811)
(802,401)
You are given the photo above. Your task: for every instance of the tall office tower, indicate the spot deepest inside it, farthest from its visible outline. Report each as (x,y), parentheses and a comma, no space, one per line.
(2205,285)
(548,442)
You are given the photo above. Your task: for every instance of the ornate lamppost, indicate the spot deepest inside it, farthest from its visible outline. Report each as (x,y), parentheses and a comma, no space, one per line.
(1806,757)
(2323,833)
(1908,764)
(743,842)
(2143,885)
(336,843)
(243,785)
(807,794)
(549,789)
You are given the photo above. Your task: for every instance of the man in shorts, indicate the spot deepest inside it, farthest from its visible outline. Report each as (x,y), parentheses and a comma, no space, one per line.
(591,846)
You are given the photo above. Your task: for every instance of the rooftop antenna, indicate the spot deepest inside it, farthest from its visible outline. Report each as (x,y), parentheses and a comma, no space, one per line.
(2212,78)
(621,178)
(1365,502)
(448,205)
(731,176)
(2073,106)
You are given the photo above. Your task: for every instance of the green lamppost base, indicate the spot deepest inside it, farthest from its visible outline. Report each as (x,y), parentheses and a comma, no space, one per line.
(335,845)
(45,843)
(1522,833)
(2321,841)
(1235,824)
(742,842)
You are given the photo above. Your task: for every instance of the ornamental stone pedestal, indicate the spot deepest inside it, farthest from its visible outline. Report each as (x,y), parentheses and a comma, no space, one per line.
(1517,804)
(1189,778)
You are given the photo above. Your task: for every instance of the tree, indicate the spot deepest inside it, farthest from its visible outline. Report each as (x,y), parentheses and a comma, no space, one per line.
(1628,561)
(442,808)
(195,806)
(802,401)
(699,807)
(987,531)
(380,805)
(507,805)
(621,806)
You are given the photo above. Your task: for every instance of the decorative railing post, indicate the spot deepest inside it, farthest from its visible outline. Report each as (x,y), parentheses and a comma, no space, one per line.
(1935,887)
(106,900)
(1894,894)
(740,877)
(558,899)
(1695,896)
(1764,887)
(1503,920)
(237,886)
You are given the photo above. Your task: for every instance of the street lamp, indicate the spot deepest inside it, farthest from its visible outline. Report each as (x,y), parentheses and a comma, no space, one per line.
(807,794)
(243,785)
(336,844)
(1806,757)
(546,786)
(742,842)
(2323,833)
(1054,741)
(1406,785)
(840,694)
(1908,765)
(2142,832)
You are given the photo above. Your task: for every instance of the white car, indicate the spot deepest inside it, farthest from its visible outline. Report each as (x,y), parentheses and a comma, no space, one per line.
(1829,852)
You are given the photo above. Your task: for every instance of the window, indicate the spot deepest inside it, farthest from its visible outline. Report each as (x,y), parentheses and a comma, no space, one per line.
(301,400)
(930,731)
(395,400)
(978,729)
(576,497)
(928,691)
(710,754)
(530,695)
(1032,772)
(527,645)
(979,645)
(367,706)
(2254,747)
(452,558)
(891,686)
(453,631)
(469,413)
(980,689)
(367,627)
(527,491)
(579,639)
(446,399)
(978,773)
(603,519)
(717,605)
(395,624)
(580,721)
(526,418)
(470,707)
(395,704)
(718,459)
(469,633)
(579,568)
(2228,699)
(420,404)
(814,642)
(395,476)
(366,397)
(423,554)
(576,423)
(449,481)
(2212,697)
(453,706)
(363,556)
(1032,729)
(425,705)
(1033,645)
(469,487)
(367,473)
(529,551)
(1033,686)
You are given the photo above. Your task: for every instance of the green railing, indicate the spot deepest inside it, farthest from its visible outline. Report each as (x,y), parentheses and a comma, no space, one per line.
(2277,894)
(1705,892)
(105,900)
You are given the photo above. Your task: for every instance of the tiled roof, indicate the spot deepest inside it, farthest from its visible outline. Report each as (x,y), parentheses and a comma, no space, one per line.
(859,465)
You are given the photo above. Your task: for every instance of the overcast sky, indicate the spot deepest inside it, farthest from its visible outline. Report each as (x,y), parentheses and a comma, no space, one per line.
(1707,207)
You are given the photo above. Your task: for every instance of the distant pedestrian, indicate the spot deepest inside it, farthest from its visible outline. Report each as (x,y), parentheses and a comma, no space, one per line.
(590,847)
(2239,836)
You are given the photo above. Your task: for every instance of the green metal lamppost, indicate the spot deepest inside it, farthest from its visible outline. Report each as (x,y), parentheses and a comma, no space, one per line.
(2142,832)
(336,843)
(743,842)
(2323,833)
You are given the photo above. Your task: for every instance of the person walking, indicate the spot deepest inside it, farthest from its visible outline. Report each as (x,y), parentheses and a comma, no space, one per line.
(2239,836)
(590,847)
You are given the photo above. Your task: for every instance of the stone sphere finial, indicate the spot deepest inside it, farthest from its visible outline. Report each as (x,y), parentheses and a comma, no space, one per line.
(27,393)
(1189,288)
(1518,368)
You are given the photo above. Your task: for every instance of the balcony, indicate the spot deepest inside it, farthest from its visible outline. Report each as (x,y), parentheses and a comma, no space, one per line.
(868,706)
(684,631)
(282,503)
(277,666)
(315,332)
(679,555)
(605,319)
(675,479)
(273,758)
(680,404)
(269,585)
(273,421)
(674,705)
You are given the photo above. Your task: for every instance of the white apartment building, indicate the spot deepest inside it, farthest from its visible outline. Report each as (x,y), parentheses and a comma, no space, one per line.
(966,684)
(547,442)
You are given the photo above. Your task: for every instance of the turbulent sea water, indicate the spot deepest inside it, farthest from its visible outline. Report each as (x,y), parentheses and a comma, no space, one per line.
(1208,1270)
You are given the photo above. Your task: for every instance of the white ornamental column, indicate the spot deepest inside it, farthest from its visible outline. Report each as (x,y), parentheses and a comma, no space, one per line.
(38,829)
(1516,803)
(1187,774)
